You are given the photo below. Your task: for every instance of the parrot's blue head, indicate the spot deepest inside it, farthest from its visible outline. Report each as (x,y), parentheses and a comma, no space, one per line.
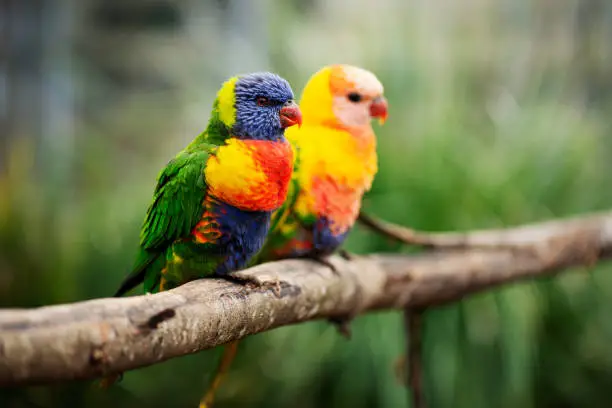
(258,106)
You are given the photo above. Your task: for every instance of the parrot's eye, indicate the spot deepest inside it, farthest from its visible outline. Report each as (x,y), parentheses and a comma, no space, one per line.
(354,97)
(263,101)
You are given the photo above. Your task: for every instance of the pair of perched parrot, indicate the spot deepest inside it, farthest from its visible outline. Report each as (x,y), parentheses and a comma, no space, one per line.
(254,188)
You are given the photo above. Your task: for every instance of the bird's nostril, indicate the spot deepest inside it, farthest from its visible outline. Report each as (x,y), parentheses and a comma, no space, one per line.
(288,103)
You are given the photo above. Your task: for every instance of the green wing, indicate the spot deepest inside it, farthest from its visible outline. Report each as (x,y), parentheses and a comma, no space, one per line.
(177,203)
(176,209)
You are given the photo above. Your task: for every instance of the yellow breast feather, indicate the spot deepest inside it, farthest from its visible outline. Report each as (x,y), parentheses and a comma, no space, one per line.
(233,167)
(251,175)
(327,151)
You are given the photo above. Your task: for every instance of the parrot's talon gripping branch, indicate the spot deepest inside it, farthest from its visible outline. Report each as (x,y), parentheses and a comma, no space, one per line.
(254,283)
(346,255)
(343,325)
(244,280)
(273,285)
(324,261)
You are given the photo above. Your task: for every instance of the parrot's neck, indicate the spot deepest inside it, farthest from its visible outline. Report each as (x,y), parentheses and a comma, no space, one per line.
(216,132)
(363,135)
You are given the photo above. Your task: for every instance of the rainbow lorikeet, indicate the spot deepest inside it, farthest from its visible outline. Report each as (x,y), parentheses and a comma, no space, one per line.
(213,202)
(335,165)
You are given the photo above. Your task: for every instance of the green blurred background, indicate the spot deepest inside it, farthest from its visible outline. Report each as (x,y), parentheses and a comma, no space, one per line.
(499,115)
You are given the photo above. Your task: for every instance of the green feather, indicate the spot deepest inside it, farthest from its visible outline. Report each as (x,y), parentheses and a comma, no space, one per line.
(176,207)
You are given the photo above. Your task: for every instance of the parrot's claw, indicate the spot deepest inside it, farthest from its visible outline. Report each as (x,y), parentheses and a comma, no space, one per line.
(343,324)
(346,255)
(275,285)
(326,262)
(244,280)
(254,282)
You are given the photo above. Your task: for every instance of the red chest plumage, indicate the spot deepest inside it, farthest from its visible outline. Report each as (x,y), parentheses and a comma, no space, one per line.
(275,160)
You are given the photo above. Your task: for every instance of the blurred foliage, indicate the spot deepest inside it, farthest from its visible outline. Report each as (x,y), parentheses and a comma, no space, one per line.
(498,116)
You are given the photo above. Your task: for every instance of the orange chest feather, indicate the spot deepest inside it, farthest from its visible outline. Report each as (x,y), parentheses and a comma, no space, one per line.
(336,168)
(251,175)
(336,200)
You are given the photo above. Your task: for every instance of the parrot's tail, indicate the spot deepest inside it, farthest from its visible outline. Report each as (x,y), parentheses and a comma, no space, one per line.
(229,353)
(146,261)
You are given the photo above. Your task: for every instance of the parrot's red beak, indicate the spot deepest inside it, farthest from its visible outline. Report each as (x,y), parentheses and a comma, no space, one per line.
(290,114)
(378,109)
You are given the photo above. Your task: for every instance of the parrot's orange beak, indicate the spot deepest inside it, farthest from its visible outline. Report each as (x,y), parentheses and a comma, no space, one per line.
(378,109)
(290,114)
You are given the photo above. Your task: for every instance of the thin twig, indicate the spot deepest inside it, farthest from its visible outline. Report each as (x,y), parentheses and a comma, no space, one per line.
(229,353)
(485,239)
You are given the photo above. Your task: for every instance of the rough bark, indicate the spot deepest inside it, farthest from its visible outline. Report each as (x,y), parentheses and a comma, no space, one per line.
(92,338)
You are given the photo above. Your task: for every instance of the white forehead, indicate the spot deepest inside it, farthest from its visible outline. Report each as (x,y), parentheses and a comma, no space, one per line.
(364,81)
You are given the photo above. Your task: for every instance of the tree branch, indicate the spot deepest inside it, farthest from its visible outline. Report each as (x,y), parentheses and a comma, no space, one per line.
(97,337)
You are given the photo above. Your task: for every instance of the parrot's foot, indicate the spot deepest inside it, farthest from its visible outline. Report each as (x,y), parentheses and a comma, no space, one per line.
(346,255)
(326,262)
(106,382)
(343,325)
(254,282)
(273,285)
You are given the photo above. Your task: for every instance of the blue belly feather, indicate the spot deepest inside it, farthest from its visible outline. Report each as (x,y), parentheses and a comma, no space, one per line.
(243,233)
(324,242)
